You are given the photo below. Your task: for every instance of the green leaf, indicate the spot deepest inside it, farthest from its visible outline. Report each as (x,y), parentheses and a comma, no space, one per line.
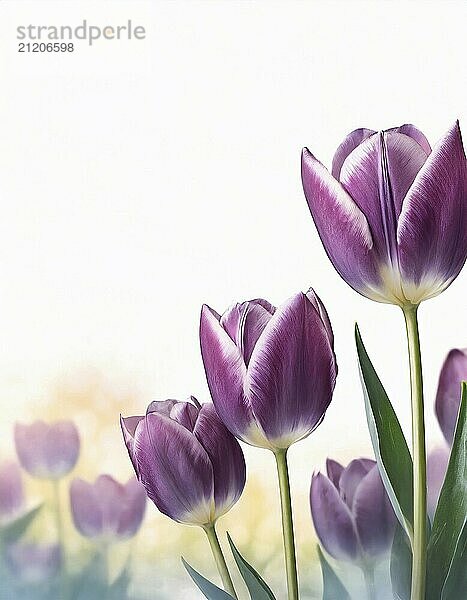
(333,588)
(14,530)
(456,581)
(448,536)
(257,587)
(211,591)
(389,444)
(401,565)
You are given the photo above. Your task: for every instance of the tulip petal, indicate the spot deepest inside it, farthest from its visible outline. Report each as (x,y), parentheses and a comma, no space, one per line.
(133,509)
(342,226)
(33,563)
(415,134)
(29,441)
(448,396)
(225,373)
(61,448)
(334,471)
(320,308)
(292,372)
(377,175)
(226,458)
(111,497)
(185,413)
(128,426)
(354,139)
(437,464)
(351,477)
(332,519)
(374,518)
(432,229)
(175,469)
(85,508)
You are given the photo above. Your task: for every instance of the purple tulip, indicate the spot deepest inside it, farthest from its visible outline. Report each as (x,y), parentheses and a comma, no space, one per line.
(47,451)
(436,466)
(34,563)
(392,213)
(191,466)
(12,502)
(448,397)
(106,509)
(271,371)
(351,511)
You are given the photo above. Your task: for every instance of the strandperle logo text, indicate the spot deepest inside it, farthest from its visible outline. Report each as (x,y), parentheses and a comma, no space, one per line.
(83,31)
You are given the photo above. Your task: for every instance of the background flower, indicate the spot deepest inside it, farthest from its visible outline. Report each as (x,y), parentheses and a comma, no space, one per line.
(47,451)
(12,502)
(351,512)
(34,563)
(106,509)
(448,396)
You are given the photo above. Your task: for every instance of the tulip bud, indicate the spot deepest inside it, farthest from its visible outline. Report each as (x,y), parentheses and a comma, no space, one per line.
(107,510)
(271,372)
(351,511)
(448,397)
(33,563)
(391,214)
(436,467)
(191,466)
(47,451)
(12,502)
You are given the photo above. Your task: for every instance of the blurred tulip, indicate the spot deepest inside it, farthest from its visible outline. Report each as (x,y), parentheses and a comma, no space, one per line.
(448,397)
(107,509)
(437,464)
(47,451)
(271,371)
(12,502)
(351,512)
(391,214)
(191,466)
(34,563)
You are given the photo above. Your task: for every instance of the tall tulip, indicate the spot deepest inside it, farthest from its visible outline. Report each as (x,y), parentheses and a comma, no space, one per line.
(192,467)
(453,372)
(271,373)
(392,217)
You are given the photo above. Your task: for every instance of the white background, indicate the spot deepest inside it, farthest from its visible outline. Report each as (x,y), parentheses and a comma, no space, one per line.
(140,179)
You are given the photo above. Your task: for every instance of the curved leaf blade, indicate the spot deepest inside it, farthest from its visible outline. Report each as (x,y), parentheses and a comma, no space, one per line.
(333,588)
(211,591)
(449,522)
(456,581)
(401,565)
(257,587)
(389,444)
(14,530)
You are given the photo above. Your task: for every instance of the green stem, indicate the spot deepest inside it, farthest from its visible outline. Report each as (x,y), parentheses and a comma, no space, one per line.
(287,524)
(220,560)
(419,456)
(369,577)
(60,538)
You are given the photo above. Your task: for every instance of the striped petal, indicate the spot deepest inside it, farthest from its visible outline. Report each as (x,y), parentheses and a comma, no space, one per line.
(175,469)
(332,520)
(226,458)
(432,229)
(342,226)
(292,372)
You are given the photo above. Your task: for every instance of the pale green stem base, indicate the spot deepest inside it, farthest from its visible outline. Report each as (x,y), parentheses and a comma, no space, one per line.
(287,524)
(64,591)
(419,542)
(220,560)
(369,577)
